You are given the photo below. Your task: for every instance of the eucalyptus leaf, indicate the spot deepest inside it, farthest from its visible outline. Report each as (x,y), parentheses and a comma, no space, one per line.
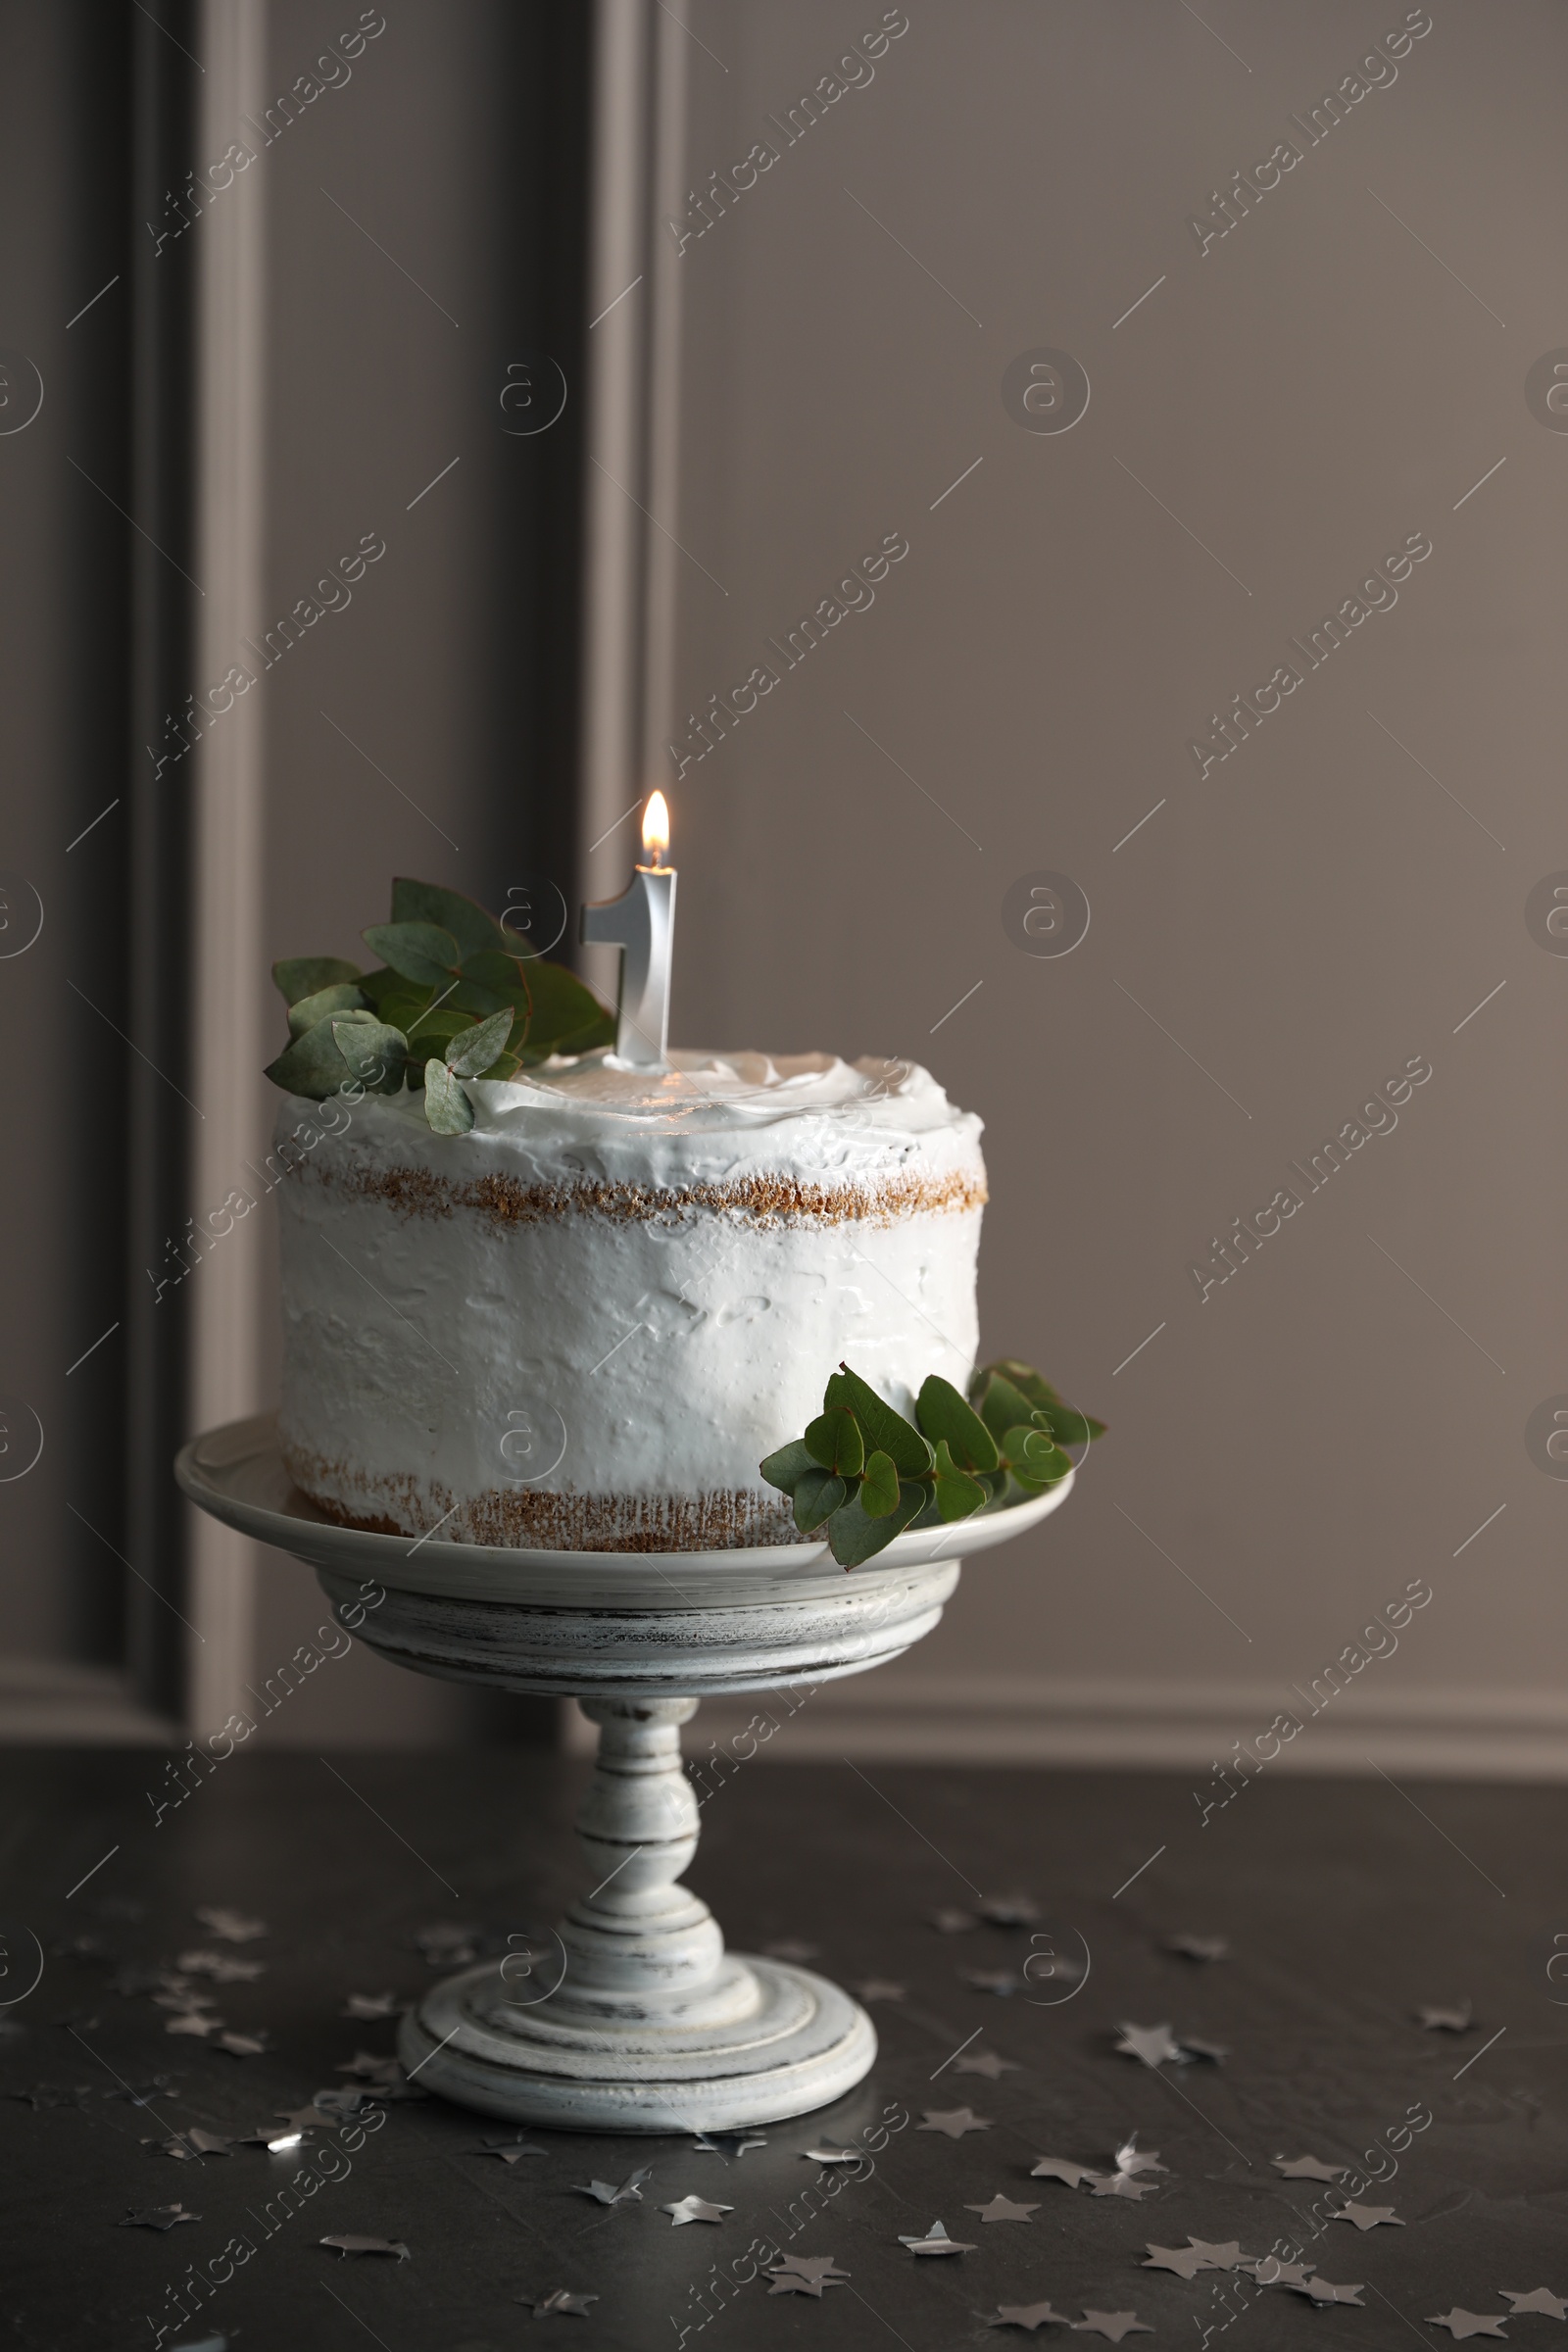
(312,1065)
(787,1466)
(1069,1426)
(501,975)
(423,951)
(566,1017)
(427,903)
(879,1488)
(445,1106)
(957,1494)
(854,1536)
(834,1440)
(473,1050)
(1025,1378)
(882,1426)
(1000,1405)
(943,1414)
(377,1054)
(341,996)
(1028,1449)
(817,1497)
(299,977)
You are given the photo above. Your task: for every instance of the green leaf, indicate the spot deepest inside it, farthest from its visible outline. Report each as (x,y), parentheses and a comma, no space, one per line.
(854,1536)
(468,922)
(375,1054)
(1069,1426)
(834,1440)
(303,975)
(475,1050)
(1034,1462)
(501,975)
(816,1497)
(943,1414)
(445,1106)
(567,1018)
(1000,1405)
(379,983)
(882,1426)
(1026,1378)
(341,996)
(312,1065)
(879,1488)
(786,1468)
(423,951)
(957,1494)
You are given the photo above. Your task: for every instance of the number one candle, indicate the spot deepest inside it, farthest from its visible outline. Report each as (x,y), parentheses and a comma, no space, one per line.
(642,924)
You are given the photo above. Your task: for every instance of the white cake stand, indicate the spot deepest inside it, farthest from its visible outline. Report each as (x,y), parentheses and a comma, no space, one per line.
(652,2027)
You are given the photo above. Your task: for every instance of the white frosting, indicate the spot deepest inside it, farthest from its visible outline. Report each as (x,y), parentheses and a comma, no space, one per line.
(436,1354)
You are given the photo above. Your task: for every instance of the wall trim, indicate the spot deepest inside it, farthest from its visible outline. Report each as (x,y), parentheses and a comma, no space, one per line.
(1112,1724)
(44,1703)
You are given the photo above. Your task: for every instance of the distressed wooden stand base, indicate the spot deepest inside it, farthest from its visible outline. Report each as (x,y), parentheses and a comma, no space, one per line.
(647,2023)
(653,2025)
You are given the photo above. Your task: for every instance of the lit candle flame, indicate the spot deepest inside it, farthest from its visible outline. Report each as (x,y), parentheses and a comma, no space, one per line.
(655,831)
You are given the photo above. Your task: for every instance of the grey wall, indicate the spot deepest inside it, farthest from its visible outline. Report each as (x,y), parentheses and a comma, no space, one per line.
(1292,925)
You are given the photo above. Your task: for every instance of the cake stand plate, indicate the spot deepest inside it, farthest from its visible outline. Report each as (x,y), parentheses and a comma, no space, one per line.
(630,2016)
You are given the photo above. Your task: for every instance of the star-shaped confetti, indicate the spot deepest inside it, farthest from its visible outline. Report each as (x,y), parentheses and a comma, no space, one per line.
(244,2045)
(881,1988)
(936,2242)
(1367,2217)
(1111,2324)
(140,2095)
(221,1968)
(181,1994)
(1198,1947)
(231,1926)
(827,2154)
(1002,2209)
(1185,2261)
(447,1946)
(953,2121)
(1190,2046)
(306,2119)
(196,2022)
(365,2005)
(1227,2256)
(728,2145)
(560,2305)
(1539,2299)
(350,2244)
(1130,2158)
(1010,1911)
(987,2063)
(1472,2323)
(950,1921)
(1062,2168)
(511,2151)
(791,1947)
(1027,2314)
(52,2095)
(629,2193)
(1119,2184)
(1151,2044)
(1307,2168)
(805,2274)
(159,2216)
(1002,1981)
(1324,2290)
(1269,2271)
(696,2209)
(185,2145)
(275,2137)
(368,2067)
(1455,2019)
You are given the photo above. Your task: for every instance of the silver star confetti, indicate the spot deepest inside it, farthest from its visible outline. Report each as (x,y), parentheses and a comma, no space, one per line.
(159,2216)
(231,1926)
(1027,2314)
(1062,2168)
(881,1988)
(1111,2324)
(1217,2052)
(51,2094)
(511,2150)
(276,2136)
(1198,1947)
(1367,2217)
(350,2244)
(1186,2261)
(1010,1911)
(1307,2168)
(221,1968)
(560,2305)
(696,2209)
(1269,2271)
(1324,2290)
(1458,2020)
(305,2119)
(830,2155)
(953,2121)
(1461,2324)
(1002,1981)
(192,2143)
(950,1921)
(244,2045)
(446,1945)
(1119,2184)
(1540,2298)
(728,2145)
(936,2242)
(805,2274)
(1151,2044)
(365,2005)
(987,2063)
(1130,2158)
(368,2067)
(197,2021)
(790,1948)
(1002,2209)
(1224,2257)
(629,2193)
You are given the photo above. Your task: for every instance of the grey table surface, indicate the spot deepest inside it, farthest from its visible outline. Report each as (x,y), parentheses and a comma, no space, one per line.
(1347,1906)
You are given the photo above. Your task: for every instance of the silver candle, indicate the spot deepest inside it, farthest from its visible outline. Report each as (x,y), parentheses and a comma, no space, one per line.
(641,923)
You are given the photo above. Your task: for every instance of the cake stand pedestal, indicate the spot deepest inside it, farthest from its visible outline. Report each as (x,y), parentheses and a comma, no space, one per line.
(649,2024)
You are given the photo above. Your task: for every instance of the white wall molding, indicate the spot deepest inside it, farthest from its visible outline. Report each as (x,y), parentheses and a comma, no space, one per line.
(228,1046)
(1111,1724)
